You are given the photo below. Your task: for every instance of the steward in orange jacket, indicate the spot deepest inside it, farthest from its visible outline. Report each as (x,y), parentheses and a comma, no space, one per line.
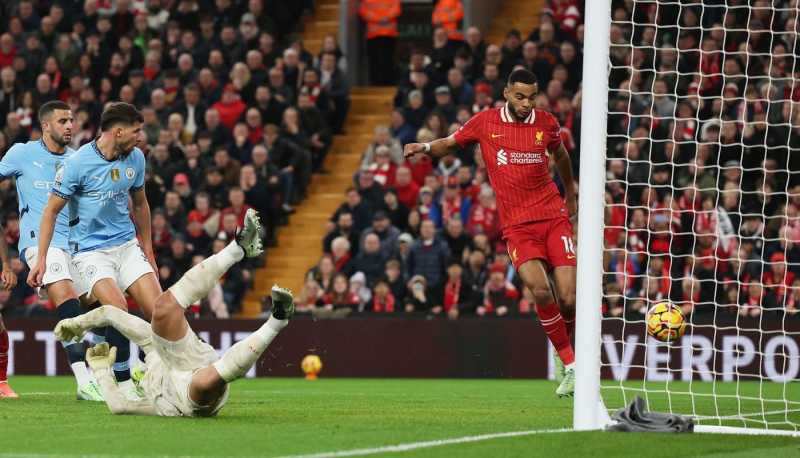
(448,14)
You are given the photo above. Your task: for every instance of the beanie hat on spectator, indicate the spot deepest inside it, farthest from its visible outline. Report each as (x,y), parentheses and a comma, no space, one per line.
(731,87)
(425,189)
(180,178)
(483,88)
(358,277)
(497,268)
(405,237)
(777,257)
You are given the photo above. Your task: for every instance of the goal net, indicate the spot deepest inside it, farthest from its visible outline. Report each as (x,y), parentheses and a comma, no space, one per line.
(701,190)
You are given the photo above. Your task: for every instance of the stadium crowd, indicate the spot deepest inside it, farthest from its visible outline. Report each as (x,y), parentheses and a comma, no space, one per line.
(237,114)
(702,192)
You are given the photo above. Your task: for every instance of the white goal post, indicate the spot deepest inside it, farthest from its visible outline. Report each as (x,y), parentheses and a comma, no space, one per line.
(736,369)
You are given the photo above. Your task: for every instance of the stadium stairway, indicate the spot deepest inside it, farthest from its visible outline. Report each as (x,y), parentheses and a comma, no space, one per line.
(300,242)
(324,21)
(522,15)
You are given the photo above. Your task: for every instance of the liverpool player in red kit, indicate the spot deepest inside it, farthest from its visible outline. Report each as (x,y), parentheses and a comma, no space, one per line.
(8,279)
(517,144)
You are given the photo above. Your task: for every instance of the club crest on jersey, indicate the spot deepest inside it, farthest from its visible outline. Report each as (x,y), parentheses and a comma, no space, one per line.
(130,173)
(59,174)
(539,137)
(114,174)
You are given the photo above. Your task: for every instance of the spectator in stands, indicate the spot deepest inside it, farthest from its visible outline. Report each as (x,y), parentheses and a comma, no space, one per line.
(340,295)
(384,138)
(387,234)
(371,191)
(448,15)
(381,31)
(370,261)
(355,205)
(428,257)
(398,213)
(342,258)
(322,274)
(344,228)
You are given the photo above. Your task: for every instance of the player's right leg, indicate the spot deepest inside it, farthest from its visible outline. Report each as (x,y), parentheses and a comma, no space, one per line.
(98,272)
(58,283)
(210,384)
(5,388)
(534,276)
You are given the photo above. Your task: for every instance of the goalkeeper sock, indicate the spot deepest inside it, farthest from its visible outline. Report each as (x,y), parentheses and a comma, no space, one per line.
(121,367)
(198,281)
(3,355)
(235,363)
(556,331)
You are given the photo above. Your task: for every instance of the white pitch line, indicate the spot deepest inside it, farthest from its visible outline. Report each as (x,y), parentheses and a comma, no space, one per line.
(427,444)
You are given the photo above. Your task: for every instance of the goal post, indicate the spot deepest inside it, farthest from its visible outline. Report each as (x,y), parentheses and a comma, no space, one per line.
(589,412)
(690,125)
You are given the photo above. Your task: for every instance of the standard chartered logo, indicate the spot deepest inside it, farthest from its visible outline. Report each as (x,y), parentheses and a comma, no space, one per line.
(502,157)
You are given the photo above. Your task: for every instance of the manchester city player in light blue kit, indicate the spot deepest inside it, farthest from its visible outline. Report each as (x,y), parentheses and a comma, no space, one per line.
(34,165)
(98,181)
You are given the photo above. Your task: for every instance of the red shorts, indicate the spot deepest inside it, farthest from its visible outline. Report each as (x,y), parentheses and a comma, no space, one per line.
(549,240)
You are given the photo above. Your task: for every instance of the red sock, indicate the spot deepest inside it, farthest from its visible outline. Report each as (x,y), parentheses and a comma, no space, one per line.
(556,331)
(3,355)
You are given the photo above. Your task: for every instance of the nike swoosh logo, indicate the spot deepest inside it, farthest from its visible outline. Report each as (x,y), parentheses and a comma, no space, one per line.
(569,256)
(38,165)
(95,177)
(498,135)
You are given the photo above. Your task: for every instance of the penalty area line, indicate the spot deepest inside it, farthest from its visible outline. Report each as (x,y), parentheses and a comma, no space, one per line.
(428,444)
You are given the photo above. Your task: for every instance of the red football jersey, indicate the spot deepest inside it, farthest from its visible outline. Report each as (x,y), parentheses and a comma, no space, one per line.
(517,162)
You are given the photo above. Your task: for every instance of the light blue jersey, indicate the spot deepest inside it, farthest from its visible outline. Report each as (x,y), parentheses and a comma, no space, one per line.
(97,190)
(34,167)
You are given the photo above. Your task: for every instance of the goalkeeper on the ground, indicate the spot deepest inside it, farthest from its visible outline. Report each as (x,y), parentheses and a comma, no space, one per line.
(185,376)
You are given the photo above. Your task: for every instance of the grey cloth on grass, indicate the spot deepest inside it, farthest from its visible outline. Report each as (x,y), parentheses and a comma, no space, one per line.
(635,418)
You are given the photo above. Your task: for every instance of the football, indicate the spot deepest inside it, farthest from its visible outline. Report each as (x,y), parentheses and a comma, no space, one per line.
(311,366)
(665,322)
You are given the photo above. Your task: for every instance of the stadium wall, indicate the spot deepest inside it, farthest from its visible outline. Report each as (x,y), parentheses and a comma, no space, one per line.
(398,347)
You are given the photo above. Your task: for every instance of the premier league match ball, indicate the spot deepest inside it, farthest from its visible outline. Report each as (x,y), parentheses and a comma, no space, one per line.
(665,322)
(311,366)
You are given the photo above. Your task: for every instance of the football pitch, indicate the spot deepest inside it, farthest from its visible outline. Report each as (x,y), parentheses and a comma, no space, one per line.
(271,417)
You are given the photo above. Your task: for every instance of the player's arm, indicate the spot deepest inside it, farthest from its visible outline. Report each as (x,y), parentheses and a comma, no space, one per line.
(47,226)
(435,149)
(564,166)
(100,359)
(470,132)
(8,278)
(141,217)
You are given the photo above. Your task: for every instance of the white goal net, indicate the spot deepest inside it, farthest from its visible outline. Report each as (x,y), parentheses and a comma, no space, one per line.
(702,209)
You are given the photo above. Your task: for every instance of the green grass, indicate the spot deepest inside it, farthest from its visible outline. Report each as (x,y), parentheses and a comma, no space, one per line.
(273,417)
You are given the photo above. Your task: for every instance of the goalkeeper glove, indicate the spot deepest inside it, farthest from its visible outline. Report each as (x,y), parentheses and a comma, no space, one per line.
(101,356)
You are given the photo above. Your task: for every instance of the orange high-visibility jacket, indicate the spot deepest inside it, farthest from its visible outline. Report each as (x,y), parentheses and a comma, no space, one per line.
(380,16)
(448,14)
